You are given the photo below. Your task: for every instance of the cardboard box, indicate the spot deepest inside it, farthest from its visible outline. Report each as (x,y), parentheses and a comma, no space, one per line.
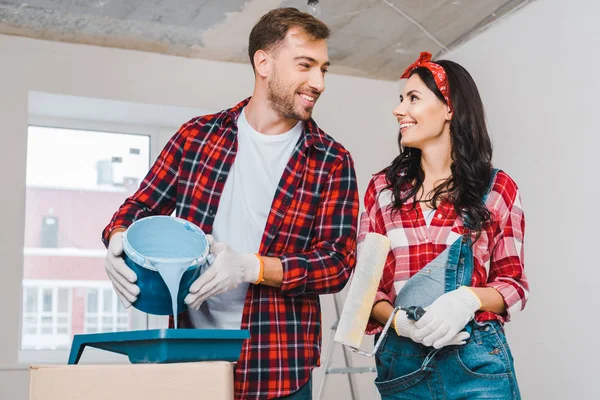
(202,380)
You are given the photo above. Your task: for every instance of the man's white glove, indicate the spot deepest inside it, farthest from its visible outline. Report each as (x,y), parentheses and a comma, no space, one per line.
(405,327)
(228,270)
(447,316)
(123,278)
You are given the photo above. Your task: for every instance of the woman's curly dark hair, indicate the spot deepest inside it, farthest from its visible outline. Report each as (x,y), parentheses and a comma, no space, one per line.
(471,152)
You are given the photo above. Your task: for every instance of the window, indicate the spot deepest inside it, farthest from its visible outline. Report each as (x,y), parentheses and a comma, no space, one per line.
(104,312)
(46,317)
(76,180)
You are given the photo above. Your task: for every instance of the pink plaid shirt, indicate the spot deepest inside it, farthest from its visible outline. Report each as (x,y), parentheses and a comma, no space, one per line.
(498,253)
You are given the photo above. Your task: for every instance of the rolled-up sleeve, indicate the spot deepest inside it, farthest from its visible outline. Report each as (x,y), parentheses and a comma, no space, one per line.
(507,270)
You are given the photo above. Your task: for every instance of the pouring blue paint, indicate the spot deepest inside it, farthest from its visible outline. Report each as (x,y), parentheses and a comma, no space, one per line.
(167,254)
(171,274)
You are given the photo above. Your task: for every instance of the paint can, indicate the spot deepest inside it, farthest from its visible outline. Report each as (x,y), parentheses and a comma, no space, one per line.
(163,249)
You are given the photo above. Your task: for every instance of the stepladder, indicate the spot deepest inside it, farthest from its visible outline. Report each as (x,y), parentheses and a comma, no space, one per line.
(347,369)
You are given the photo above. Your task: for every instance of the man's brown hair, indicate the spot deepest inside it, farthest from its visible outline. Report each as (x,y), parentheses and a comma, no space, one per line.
(271,29)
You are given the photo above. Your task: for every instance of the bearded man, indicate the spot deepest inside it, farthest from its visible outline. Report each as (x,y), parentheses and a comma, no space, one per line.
(279,198)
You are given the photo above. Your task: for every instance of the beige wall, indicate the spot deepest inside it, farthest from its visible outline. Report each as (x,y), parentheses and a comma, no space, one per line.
(355,111)
(537,76)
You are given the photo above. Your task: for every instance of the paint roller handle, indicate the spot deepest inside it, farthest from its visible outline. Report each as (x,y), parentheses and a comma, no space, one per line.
(386,327)
(414,313)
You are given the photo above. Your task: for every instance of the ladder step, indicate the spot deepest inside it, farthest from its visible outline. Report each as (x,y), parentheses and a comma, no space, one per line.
(355,370)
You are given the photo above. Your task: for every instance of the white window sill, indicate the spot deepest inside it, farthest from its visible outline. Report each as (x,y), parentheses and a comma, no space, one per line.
(63,252)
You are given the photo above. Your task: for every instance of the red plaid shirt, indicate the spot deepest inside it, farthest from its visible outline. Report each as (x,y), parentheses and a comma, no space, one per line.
(498,253)
(311,228)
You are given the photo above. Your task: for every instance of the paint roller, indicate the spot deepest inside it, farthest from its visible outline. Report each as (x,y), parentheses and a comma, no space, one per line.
(371,256)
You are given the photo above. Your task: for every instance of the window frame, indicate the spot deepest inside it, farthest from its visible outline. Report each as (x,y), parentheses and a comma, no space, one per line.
(39,287)
(139,320)
(100,314)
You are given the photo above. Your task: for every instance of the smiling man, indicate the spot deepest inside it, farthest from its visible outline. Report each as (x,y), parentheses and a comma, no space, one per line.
(280,199)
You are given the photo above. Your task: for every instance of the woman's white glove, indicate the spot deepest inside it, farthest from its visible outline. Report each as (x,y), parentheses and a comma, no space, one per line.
(446,317)
(228,270)
(406,327)
(123,278)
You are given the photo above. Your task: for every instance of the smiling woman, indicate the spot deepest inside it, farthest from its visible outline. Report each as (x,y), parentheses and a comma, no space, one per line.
(430,118)
(456,227)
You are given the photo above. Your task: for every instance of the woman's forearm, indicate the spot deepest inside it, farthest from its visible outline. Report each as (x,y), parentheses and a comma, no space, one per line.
(381,312)
(490,299)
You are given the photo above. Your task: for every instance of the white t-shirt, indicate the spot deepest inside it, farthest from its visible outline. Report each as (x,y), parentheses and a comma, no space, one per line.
(428,213)
(243,210)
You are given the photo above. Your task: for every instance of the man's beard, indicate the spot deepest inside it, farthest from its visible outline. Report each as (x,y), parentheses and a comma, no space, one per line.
(283,102)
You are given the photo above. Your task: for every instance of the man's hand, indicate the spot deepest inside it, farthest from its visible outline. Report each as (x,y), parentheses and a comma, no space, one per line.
(228,270)
(123,278)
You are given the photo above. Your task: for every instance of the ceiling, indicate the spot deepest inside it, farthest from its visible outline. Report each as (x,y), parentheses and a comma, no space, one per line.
(370,38)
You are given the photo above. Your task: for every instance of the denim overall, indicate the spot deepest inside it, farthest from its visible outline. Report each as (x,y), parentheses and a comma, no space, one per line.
(481,368)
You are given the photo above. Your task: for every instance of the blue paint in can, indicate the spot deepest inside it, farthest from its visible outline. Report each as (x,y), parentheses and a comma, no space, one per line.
(167,254)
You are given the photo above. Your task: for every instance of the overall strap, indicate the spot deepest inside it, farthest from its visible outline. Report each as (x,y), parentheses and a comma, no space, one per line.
(464,251)
(490,184)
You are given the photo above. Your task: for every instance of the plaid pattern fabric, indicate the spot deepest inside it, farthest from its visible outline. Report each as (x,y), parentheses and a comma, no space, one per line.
(498,253)
(311,228)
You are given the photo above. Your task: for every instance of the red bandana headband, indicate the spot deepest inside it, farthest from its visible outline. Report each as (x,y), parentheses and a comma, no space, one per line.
(438,72)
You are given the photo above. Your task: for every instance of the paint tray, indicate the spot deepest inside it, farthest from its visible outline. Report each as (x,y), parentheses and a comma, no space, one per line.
(165,345)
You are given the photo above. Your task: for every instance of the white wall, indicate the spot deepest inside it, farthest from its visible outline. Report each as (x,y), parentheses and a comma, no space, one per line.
(537,73)
(355,111)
